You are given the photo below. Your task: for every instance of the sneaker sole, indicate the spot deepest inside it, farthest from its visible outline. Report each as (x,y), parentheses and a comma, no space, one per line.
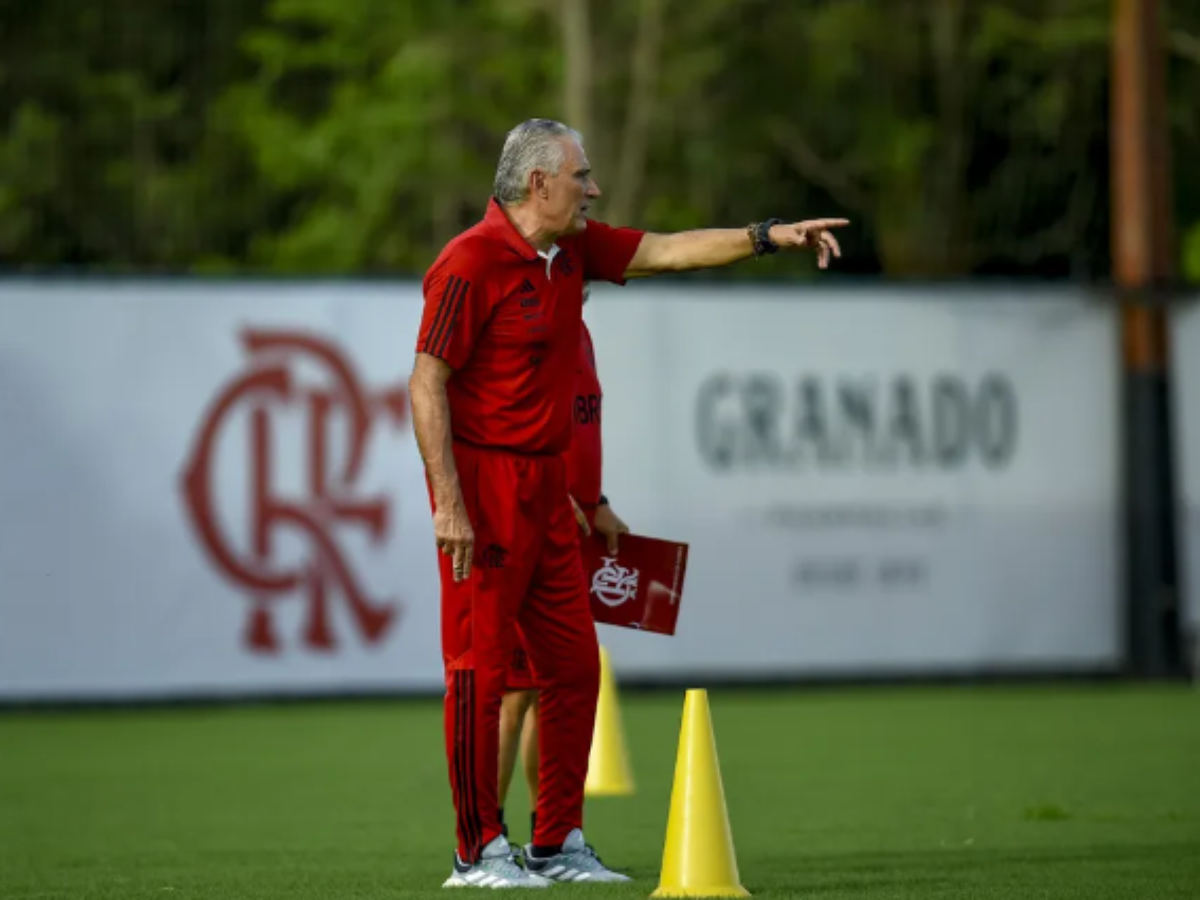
(535,881)
(593,879)
(606,877)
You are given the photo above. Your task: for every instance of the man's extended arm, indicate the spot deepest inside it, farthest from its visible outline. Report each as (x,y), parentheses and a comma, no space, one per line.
(710,248)
(431,423)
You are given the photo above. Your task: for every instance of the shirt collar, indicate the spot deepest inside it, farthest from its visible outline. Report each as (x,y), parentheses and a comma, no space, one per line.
(504,229)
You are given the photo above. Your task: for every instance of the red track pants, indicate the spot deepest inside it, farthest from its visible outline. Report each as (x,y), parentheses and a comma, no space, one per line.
(526,568)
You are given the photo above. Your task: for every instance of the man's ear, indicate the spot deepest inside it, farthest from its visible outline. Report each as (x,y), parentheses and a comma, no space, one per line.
(539,183)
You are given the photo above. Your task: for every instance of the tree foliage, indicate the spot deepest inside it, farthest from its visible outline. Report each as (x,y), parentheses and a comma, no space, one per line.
(355,136)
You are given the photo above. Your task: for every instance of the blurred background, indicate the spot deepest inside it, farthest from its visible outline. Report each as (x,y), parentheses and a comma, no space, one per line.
(967,453)
(307,137)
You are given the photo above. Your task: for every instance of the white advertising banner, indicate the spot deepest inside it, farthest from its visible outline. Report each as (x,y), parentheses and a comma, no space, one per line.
(1185,353)
(213,488)
(879,481)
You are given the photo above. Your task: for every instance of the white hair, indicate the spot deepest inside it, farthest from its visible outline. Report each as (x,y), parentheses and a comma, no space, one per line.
(534,144)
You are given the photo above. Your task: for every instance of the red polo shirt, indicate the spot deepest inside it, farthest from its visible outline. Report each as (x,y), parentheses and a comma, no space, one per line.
(506,319)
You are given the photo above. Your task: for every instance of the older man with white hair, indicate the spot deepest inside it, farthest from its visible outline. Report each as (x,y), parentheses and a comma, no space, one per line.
(492,392)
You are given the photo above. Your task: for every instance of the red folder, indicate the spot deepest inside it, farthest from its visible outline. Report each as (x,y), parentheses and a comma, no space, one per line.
(639,587)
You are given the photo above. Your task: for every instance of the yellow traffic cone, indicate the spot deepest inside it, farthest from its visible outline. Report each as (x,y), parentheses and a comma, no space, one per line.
(608,766)
(698,860)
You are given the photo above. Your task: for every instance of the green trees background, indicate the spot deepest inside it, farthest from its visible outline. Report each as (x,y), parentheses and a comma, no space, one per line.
(963,137)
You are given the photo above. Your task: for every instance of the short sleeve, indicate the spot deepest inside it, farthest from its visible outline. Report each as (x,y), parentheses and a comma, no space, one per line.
(454,314)
(607,251)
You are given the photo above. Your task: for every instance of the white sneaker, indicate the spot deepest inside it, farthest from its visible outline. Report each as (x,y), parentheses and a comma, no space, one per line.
(496,868)
(576,863)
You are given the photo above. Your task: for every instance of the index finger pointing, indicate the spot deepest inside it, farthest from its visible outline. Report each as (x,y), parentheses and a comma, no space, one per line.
(827,223)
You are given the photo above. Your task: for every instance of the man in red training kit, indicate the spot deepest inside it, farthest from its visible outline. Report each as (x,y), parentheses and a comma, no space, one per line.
(518,710)
(492,390)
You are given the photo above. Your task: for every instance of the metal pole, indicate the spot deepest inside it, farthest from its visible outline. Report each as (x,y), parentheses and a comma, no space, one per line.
(1142,261)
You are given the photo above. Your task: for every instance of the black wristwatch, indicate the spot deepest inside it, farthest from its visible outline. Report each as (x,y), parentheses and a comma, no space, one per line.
(760,237)
(603,501)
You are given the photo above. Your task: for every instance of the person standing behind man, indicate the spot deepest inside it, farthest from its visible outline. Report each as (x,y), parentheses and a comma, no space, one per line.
(492,392)
(585,464)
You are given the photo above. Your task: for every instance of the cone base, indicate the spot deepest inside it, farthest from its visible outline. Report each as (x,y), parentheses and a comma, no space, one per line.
(609,792)
(735,891)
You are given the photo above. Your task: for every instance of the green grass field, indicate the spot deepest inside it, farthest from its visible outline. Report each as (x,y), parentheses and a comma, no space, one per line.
(1026,793)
